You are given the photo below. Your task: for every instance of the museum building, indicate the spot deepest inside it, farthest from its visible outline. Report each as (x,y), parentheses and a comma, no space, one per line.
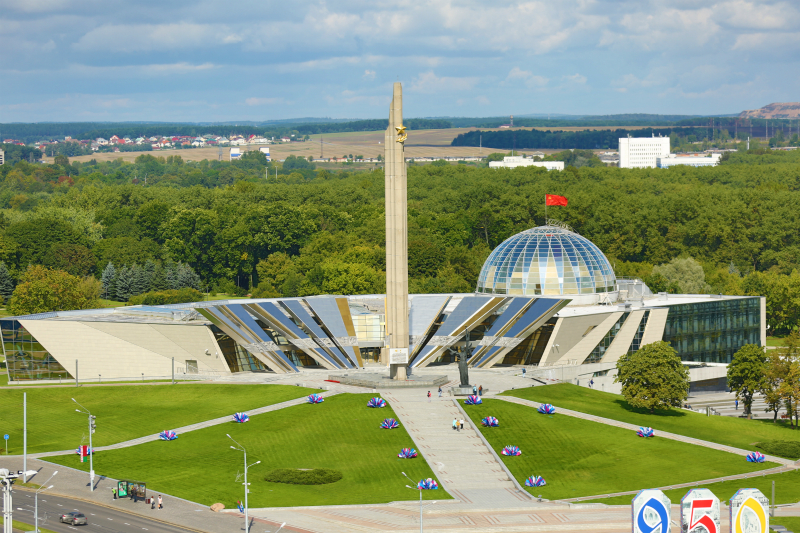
(546,297)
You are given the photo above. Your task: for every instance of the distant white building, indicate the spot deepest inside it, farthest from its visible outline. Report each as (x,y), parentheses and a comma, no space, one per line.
(2,157)
(692,161)
(265,150)
(520,161)
(642,152)
(235,153)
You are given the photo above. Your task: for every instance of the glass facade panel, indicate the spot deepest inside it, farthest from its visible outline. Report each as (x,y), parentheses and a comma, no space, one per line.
(369,328)
(636,343)
(26,359)
(600,350)
(546,260)
(712,332)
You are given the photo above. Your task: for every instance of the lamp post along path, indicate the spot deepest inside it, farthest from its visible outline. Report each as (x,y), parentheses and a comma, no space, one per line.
(92,427)
(246,485)
(36,501)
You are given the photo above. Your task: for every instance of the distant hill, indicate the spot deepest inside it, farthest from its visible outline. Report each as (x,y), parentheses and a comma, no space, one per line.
(776,110)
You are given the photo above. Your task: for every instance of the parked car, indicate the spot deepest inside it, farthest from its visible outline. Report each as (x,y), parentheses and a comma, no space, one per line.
(75,518)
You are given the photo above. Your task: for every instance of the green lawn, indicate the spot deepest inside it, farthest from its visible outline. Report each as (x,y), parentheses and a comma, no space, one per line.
(125,412)
(776,341)
(580,458)
(341,433)
(722,429)
(787,490)
(792,523)
(24,526)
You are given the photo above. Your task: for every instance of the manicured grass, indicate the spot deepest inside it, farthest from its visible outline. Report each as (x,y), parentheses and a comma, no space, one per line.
(341,433)
(24,526)
(792,523)
(787,490)
(125,412)
(722,429)
(776,341)
(580,458)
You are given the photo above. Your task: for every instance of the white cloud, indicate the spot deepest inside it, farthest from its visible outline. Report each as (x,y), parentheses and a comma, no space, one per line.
(369,74)
(576,78)
(123,38)
(428,82)
(263,101)
(528,77)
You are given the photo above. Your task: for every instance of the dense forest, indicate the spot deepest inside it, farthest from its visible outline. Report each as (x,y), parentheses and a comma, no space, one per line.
(310,231)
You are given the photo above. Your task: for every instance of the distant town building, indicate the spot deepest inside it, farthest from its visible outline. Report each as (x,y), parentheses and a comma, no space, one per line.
(265,150)
(521,161)
(642,152)
(235,153)
(691,160)
(2,157)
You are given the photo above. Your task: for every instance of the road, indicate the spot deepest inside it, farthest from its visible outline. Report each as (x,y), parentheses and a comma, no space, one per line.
(101,519)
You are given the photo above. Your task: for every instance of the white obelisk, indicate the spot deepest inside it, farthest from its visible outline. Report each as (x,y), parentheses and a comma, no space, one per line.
(396,239)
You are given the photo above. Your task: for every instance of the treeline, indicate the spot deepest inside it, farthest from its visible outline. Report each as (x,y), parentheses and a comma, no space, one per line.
(15,153)
(560,140)
(315,231)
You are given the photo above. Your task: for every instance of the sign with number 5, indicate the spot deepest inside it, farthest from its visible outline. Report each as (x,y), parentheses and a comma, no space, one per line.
(700,512)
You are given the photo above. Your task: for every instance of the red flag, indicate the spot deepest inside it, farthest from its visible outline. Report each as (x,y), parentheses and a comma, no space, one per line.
(554,199)
(84,454)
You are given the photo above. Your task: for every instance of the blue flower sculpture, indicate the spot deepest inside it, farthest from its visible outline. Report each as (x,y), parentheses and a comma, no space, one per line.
(490,422)
(547,409)
(241,418)
(646,432)
(427,484)
(755,457)
(315,398)
(389,423)
(376,402)
(535,481)
(473,400)
(511,450)
(407,453)
(78,451)
(168,435)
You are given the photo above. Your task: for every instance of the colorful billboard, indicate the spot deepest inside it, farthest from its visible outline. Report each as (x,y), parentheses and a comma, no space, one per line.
(700,512)
(650,512)
(749,512)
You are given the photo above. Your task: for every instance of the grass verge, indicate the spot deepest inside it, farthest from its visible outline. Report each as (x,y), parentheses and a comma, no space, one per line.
(24,526)
(341,433)
(736,432)
(787,490)
(125,412)
(581,458)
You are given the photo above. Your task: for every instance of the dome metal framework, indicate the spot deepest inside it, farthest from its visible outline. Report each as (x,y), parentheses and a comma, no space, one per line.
(546,260)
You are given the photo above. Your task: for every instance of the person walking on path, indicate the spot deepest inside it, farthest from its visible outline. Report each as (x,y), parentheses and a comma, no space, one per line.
(114,492)
(480,390)
(737,404)
(440,392)
(474,389)
(461,423)
(160,502)
(429,396)
(153,502)
(455,424)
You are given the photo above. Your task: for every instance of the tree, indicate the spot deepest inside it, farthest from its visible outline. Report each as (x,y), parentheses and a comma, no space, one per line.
(43,289)
(653,377)
(776,371)
(61,160)
(686,273)
(108,281)
(746,374)
(76,259)
(6,282)
(124,284)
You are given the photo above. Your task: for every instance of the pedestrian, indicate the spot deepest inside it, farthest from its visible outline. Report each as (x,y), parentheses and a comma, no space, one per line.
(523,372)
(114,492)
(458,427)
(462,423)
(737,404)
(440,392)
(480,390)
(591,382)
(153,502)
(160,502)
(474,389)
(455,424)
(429,396)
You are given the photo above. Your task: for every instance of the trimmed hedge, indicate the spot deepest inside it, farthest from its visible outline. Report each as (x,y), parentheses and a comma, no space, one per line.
(790,449)
(171,296)
(317,476)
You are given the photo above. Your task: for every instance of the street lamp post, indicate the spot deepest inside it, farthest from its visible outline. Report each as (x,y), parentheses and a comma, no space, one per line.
(246,485)
(420,500)
(36,501)
(92,427)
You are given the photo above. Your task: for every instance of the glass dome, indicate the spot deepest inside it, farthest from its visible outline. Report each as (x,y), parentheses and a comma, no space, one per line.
(548,260)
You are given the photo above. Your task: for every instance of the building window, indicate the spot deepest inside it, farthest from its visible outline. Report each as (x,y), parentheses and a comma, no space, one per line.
(600,350)
(26,358)
(636,343)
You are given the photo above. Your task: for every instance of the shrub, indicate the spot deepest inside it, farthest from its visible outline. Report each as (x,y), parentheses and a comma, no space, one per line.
(172,296)
(317,476)
(789,449)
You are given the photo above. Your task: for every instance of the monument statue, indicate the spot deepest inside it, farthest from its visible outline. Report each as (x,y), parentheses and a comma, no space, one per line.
(463,358)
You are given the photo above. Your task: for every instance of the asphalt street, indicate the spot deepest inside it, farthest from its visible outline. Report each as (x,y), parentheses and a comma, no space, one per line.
(101,519)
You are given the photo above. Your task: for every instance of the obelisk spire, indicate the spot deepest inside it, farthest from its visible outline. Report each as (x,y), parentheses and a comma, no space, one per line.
(396,238)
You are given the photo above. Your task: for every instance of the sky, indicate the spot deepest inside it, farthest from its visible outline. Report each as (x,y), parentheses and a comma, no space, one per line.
(134,60)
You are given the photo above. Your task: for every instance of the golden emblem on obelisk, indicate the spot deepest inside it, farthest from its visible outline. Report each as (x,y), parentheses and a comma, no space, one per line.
(401,134)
